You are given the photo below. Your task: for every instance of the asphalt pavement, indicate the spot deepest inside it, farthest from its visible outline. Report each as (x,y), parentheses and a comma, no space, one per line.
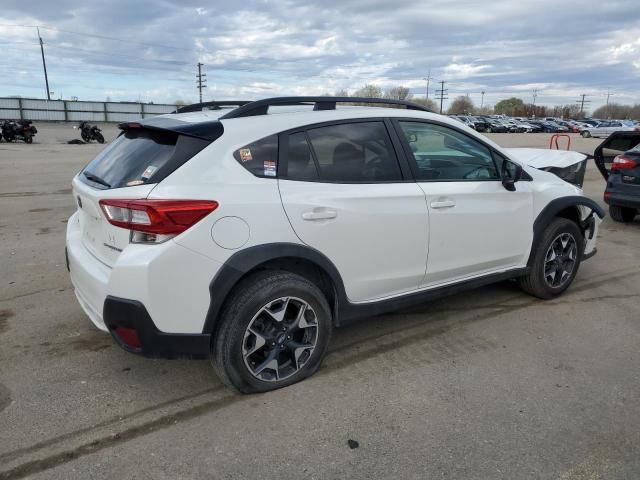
(489,384)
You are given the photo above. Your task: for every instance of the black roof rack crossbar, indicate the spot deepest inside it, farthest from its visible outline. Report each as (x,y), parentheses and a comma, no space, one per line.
(197,107)
(260,107)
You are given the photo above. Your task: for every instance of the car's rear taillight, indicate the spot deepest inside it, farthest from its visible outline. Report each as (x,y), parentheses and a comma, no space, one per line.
(623,163)
(155,221)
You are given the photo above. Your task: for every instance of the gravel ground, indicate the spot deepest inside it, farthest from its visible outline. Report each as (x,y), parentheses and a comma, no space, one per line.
(489,384)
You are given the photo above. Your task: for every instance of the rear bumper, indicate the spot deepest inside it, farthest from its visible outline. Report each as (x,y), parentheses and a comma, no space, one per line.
(88,276)
(619,199)
(131,314)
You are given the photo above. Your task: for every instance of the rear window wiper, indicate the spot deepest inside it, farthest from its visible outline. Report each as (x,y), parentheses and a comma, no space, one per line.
(96,179)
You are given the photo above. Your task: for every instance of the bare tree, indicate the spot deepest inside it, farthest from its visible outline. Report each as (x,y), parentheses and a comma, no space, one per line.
(484,110)
(428,103)
(369,91)
(398,93)
(461,105)
(618,111)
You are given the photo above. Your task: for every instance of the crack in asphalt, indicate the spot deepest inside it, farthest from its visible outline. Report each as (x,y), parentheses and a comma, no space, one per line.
(28,294)
(11,455)
(334,364)
(64,191)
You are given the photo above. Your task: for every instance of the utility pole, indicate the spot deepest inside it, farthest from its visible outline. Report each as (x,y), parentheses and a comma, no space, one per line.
(482,99)
(582,101)
(428,79)
(535,95)
(44,65)
(441,94)
(607,105)
(202,80)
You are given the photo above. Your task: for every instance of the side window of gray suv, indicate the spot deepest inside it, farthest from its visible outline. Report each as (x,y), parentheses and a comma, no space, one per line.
(359,152)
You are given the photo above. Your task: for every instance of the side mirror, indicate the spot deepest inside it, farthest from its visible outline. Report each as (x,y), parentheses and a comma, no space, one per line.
(511,173)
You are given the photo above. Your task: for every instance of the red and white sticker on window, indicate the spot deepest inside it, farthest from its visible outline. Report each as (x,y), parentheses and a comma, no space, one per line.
(269,168)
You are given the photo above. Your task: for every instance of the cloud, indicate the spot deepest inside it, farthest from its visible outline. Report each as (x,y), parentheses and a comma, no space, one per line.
(257,48)
(456,71)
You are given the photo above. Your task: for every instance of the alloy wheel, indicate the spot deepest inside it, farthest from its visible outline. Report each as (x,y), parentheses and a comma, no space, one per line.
(560,260)
(280,339)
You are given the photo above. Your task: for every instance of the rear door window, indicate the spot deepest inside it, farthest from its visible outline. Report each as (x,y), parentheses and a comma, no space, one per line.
(346,152)
(140,156)
(301,164)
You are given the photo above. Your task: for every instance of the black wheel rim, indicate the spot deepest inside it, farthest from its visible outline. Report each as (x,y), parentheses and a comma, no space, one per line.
(280,339)
(560,260)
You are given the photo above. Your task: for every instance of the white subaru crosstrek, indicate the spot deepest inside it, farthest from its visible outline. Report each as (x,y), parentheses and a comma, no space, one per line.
(247,234)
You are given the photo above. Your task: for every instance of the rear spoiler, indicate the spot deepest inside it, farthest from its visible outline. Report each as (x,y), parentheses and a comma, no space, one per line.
(210,130)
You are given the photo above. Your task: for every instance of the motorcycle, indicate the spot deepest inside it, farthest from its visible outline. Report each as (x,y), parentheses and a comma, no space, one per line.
(20,130)
(90,132)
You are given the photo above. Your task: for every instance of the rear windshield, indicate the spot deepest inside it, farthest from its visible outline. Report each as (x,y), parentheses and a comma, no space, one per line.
(140,156)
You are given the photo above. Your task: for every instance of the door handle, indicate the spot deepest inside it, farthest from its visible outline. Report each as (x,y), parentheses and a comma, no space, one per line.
(319,214)
(443,203)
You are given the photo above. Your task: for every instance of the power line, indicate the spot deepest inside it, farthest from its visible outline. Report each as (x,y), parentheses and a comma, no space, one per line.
(104,37)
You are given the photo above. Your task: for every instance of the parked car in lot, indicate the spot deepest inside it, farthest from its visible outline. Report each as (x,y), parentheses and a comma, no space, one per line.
(248,236)
(523,127)
(544,126)
(534,127)
(618,159)
(466,120)
(604,129)
(512,127)
(559,128)
(480,123)
(494,126)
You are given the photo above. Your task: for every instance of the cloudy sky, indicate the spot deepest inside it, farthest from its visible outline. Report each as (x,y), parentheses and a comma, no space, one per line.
(148,49)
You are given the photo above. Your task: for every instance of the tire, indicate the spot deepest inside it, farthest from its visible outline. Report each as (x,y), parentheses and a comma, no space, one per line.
(28,139)
(539,281)
(85,137)
(99,137)
(586,134)
(622,214)
(249,306)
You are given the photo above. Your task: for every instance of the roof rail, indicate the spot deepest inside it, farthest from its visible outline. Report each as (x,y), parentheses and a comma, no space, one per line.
(197,107)
(260,107)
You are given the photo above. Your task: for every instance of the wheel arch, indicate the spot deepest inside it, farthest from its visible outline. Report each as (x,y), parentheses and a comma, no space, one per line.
(299,259)
(564,207)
